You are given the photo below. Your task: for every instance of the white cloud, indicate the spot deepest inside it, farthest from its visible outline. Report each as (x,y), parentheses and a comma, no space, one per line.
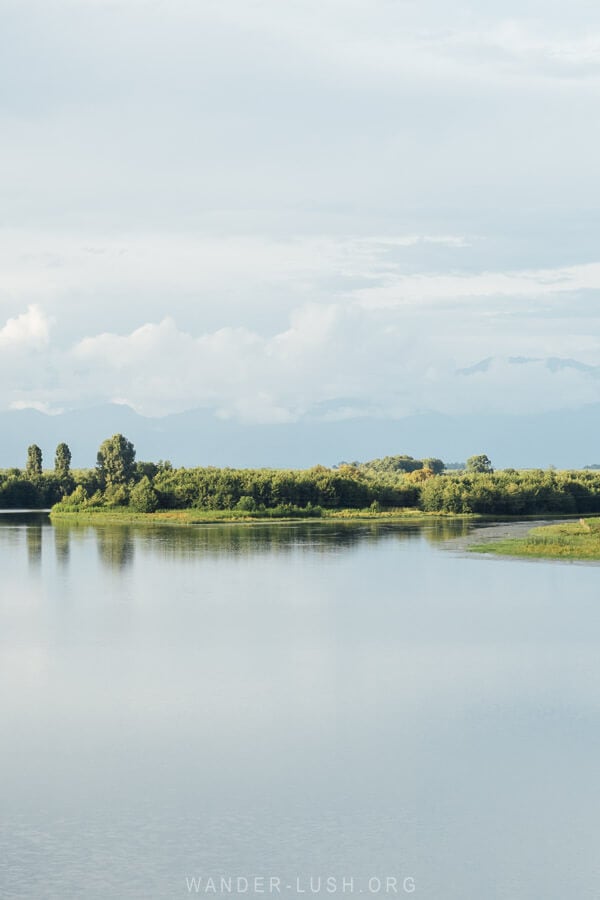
(526,47)
(128,113)
(425,288)
(331,361)
(334,361)
(321,207)
(328,346)
(29,331)
(207,280)
(38,405)
(93,282)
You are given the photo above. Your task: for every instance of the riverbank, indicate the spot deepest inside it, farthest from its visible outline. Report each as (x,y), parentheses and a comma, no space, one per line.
(565,540)
(100,516)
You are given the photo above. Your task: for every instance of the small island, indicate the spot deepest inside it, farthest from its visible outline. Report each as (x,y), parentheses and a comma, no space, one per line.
(563,540)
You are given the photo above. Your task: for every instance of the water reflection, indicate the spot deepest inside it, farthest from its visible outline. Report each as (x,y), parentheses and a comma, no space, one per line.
(440,530)
(62,545)
(34,545)
(116,543)
(116,546)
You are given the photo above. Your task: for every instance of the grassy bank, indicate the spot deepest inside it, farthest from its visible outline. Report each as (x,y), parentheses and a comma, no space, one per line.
(221,516)
(567,540)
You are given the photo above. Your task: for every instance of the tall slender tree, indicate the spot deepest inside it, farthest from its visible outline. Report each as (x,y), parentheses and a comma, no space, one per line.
(34,461)
(62,461)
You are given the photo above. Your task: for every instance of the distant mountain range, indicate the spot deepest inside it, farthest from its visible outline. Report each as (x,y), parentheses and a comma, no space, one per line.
(552,363)
(566,439)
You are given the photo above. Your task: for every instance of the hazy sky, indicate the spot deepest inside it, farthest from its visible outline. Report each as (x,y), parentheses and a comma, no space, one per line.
(282,208)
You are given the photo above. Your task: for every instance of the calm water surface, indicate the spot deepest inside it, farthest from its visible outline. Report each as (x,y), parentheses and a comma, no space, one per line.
(353,701)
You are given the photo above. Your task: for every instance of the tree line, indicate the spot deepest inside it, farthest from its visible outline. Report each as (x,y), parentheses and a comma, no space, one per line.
(118,480)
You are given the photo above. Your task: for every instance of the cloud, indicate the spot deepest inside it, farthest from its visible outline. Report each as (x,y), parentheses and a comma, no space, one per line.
(294,115)
(38,405)
(524,284)
(346,330)
(334,360)
(93,282)
(300,209)
(28,331)
(524,46)
(96,283)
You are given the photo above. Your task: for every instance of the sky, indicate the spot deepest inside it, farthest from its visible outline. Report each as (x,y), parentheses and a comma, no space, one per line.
(315,209)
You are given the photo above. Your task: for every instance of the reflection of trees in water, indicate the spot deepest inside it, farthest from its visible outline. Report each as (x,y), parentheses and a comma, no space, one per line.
(116,545)
(308,537)
(34,544)
(62,545)
(19,527)
(443,529)
(241,540)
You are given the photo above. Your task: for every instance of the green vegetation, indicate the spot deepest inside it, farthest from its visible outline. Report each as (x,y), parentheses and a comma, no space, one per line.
(480,463)
(34,461)
(62,462)
(126,515)
(512,492)
(115,461)
(34,488)
(387,487)
(118,482)
(567,540)
(393,465)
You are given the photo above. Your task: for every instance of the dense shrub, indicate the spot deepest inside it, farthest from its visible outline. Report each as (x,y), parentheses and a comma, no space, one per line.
(511,492)
(143,497)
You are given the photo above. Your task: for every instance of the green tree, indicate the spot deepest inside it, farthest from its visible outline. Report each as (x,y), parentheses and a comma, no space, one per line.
(436,465)
(34,461)
(480,463)
(62,462)
(246,504)
(143,497)
(149,469)
(116,460)
(76,499)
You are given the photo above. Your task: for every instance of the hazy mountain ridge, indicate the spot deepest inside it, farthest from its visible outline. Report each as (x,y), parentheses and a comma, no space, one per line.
(567,438)
(553,364)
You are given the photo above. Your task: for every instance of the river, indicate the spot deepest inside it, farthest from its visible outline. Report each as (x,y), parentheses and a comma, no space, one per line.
(367,703)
